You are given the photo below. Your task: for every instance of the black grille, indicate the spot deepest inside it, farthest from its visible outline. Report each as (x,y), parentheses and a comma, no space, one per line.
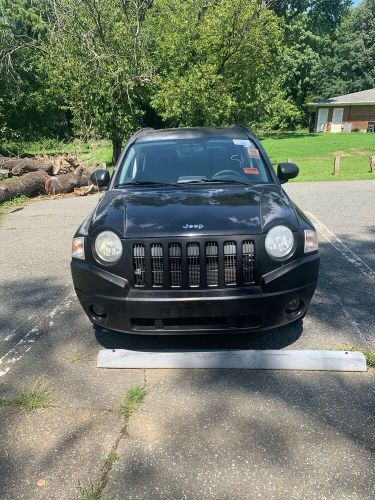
(193,264)
(175,265)
(212,264)
(139,265)
(157,268)
(230,263)
(248,258)
(209,264)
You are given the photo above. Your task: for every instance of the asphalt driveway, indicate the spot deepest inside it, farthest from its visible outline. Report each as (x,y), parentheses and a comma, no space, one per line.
(199,434)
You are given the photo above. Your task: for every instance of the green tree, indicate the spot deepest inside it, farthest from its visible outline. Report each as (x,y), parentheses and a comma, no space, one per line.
(301,59)
(350,66)
(309,29)
(25,108)
(215,63)
(98,62)
(324,15)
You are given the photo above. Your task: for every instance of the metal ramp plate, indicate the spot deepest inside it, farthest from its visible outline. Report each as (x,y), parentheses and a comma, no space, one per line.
(345,361)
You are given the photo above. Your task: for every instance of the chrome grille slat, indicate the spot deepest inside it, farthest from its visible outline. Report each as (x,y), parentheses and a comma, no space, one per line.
(230,262)
(187,264)
(193,264)
(248,260)
(139,265)
(212,264)
(175,264)
(157,268)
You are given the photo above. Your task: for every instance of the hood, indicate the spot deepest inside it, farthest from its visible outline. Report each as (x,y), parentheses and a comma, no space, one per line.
(193,210)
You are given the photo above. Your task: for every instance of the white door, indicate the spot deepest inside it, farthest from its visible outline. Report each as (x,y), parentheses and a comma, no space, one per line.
(321,123)
(337,119)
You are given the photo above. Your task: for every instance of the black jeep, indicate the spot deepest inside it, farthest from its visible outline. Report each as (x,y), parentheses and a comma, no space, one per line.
(195,235)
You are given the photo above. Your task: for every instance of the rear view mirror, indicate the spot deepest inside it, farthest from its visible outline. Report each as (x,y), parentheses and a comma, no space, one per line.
(286,171)
(100,178)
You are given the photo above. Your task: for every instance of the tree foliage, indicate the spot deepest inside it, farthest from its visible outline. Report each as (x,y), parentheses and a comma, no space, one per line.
(25,109)
(215,63)
(103,68)
(350,67)
(97,61)
(324,15)
(309,28)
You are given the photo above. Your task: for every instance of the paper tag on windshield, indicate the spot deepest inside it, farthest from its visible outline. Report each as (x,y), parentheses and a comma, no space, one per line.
(253,152)
(249,170)
(242,142)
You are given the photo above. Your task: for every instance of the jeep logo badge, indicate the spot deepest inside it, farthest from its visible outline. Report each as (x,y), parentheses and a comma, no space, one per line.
(193,226)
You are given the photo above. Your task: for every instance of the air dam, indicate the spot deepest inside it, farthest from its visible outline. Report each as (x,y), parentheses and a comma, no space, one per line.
(342,361)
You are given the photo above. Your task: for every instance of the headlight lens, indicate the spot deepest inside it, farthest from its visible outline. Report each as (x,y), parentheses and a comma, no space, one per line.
(108,247)
(311,241)
(279,242)
(78,248)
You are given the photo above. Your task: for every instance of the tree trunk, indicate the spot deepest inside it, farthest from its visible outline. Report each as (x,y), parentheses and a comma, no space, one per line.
(30,184)
(67,182)
(20,166)
(116,149)
(30,165)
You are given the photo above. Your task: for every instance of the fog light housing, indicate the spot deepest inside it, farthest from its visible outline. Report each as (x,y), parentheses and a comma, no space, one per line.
(98,311)
(294,306)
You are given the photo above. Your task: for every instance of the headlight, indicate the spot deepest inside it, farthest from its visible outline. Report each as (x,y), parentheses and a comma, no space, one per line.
(311,241)
(279,242)
(78,248)
(108,247)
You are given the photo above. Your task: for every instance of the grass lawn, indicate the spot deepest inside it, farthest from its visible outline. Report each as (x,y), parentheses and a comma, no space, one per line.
(314,154)
(90,153)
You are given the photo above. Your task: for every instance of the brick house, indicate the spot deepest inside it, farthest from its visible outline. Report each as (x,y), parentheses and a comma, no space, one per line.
(345,113)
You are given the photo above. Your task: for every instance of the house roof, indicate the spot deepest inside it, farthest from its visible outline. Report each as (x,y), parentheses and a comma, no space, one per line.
(356,98)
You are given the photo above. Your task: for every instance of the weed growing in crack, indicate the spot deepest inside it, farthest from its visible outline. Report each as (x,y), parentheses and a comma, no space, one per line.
(132,400)
(112,457)
(130,403)
(93,491)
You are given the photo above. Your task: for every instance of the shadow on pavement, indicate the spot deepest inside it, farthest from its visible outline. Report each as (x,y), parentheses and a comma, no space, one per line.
(229,433)
(313,430)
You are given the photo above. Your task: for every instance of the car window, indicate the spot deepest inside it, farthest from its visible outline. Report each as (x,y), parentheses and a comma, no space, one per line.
(191,160)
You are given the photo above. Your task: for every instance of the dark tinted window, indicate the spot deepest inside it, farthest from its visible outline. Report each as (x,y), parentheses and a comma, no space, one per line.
(187,160)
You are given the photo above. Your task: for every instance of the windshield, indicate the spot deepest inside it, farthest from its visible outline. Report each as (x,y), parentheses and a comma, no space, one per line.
(185,161)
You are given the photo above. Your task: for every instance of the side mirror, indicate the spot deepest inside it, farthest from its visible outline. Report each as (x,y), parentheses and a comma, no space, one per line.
(100,178)
(286,171)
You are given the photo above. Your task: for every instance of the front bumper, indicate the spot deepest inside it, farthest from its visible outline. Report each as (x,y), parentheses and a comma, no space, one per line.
(161,312)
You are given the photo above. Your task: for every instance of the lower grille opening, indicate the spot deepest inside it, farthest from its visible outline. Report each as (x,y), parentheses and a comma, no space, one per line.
(201,321)
(198,323)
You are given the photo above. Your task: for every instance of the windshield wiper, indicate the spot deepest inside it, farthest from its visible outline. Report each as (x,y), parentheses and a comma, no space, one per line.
(226,181)
(144,183)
